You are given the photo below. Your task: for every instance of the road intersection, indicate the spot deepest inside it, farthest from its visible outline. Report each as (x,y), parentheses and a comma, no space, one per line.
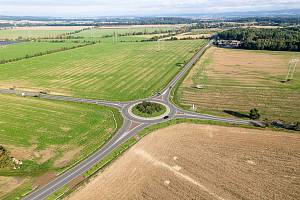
(131,126)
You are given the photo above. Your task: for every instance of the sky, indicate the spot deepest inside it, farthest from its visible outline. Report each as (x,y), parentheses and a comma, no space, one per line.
(95,8)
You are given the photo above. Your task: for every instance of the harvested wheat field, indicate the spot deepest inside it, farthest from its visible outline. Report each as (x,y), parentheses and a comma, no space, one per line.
(188,161)
(235,80)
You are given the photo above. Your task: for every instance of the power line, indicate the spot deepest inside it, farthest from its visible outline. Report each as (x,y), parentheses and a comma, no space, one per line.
(291,69)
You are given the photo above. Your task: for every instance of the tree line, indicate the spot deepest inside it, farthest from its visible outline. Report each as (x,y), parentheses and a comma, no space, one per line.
(278,39)
(3,61)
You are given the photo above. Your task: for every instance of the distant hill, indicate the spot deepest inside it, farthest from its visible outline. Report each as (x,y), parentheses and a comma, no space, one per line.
(266,13)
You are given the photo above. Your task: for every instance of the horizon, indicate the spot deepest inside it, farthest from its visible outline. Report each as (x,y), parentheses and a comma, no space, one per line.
(115,8)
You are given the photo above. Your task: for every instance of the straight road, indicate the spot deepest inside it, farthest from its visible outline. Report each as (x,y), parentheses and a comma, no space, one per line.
(126,131)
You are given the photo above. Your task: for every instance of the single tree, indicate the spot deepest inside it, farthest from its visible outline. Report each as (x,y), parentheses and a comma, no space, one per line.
(254,114)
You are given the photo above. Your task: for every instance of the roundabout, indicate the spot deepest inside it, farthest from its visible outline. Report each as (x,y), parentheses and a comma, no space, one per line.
(132,113)
(132,125)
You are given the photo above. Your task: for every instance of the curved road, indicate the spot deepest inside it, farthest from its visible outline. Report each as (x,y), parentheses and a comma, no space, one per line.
(131,126)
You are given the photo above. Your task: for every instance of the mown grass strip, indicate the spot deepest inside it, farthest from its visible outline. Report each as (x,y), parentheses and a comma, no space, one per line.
(103,163)
(59,193)
(174,94)
(112,156)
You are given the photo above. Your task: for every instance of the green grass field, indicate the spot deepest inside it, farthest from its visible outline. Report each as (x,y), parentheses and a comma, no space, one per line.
(22,49)
(239,80)
(122,71)
(59,126)
(105,32)
(12,34)
(51,135)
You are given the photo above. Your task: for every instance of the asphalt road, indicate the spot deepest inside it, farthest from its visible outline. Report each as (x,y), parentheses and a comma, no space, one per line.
(131,126)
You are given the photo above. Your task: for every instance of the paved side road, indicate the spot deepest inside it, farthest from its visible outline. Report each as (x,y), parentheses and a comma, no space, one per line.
(117,105)
(121,136)
(131,126)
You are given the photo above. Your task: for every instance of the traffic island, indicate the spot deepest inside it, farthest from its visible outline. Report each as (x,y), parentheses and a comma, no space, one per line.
(148,110)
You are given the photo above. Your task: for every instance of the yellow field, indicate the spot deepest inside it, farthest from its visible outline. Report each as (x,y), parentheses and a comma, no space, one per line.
(238,80)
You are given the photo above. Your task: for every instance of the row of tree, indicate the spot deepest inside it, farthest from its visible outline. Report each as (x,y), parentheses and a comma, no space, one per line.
(279,39)
(3,61)
(269,21)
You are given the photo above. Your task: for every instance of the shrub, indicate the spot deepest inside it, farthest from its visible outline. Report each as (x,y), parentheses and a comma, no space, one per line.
(149,107)
(254,114)
(5,160)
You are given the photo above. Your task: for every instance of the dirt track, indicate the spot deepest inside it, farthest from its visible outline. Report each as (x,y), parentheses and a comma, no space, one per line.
(203,162)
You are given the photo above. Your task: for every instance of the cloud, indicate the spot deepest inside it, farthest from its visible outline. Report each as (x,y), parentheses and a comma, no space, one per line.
(135,7)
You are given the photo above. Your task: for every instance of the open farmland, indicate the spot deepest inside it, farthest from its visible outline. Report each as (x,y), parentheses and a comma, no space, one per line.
(234,81)
(20,50)
(52,28)
(188,161)
(122,71)
(49,135)
(37,32)
(104,32)
(13,34)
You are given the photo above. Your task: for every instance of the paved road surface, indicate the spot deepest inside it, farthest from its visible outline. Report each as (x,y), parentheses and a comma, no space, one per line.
(126,131)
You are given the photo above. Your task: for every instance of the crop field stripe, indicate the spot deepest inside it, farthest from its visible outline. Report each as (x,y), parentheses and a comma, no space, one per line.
(109,68)
(235,83)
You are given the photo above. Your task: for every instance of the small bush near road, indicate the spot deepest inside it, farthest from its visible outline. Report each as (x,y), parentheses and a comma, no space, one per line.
(254,114)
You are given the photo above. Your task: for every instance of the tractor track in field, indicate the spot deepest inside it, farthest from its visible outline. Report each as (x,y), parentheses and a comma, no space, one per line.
(126,131)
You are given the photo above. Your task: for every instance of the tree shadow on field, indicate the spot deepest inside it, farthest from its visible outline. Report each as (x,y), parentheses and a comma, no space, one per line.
(236,114)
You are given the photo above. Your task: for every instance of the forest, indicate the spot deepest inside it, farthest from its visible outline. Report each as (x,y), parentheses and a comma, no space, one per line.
(276,39)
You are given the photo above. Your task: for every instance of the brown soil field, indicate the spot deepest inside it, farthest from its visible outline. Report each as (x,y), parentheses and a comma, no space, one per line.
(44,179)
(67,157)
(188,161)
(238,80)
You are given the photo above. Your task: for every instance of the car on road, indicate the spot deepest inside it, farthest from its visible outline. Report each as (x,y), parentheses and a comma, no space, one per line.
(166,117)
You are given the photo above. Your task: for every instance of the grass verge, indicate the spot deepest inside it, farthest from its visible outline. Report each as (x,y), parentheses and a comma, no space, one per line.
(174,96)
(112,156)
(100,165)
(59,193)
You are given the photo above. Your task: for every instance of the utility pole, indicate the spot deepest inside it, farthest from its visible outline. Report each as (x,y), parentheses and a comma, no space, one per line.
(114,35)
(158,44)
(295,62)
(291,69)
